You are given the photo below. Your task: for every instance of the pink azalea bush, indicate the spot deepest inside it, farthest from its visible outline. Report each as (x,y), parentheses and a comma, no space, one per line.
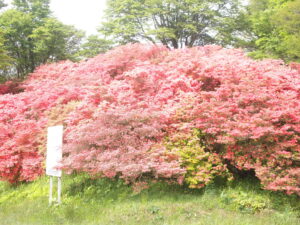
(133,112)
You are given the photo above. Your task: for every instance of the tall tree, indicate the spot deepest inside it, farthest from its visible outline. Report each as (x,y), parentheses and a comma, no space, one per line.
(175,23)
(287,20)
(54,41)
(33,37)
(38,8)
(94,45)
(5,60)
(17,28)
(275,28)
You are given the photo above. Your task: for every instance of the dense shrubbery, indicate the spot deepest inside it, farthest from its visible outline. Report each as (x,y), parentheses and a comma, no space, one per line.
(145,112)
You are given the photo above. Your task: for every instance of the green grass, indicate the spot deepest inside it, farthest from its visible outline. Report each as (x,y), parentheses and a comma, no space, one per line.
(103,201)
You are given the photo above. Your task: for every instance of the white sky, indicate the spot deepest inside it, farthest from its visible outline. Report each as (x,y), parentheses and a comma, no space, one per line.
(84,14)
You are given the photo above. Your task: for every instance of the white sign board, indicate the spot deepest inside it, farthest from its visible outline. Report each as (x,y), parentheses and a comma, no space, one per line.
(54,150)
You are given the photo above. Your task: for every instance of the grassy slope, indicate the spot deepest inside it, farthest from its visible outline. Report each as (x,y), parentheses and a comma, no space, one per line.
(111,202)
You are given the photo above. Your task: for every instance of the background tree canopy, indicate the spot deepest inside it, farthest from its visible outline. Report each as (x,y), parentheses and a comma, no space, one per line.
(38,8)
(275,25)
(174,23)
(94,45)
(5,60)
(32,36)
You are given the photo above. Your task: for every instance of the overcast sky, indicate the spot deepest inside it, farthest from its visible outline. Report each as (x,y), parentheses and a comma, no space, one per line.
(84,14)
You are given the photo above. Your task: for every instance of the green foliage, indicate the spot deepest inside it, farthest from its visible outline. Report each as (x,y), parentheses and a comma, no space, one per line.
(5,60)
(275,26)
(202,167)
(32,37)
(54,41)
(287,20)
(246,202)
(245,195)
(93,46)
(17,27)
(174,23)
(15,194)
(40,9)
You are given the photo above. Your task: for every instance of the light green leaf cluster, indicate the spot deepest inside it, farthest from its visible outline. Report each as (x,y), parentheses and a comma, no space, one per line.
(202,166)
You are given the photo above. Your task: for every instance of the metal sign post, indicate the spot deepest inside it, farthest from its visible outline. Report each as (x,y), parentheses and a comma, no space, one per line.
(54,157)
(51,190)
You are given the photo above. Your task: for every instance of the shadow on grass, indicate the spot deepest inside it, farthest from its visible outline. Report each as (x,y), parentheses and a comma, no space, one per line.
(244,194)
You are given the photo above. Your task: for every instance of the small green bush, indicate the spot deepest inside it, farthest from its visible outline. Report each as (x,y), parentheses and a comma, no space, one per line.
(245,201)
(202,166)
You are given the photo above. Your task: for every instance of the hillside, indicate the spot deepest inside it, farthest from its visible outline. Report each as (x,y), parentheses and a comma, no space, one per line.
(142,113)
(105,202)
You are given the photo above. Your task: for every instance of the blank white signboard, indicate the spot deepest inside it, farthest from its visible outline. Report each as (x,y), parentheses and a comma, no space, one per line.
(54,150)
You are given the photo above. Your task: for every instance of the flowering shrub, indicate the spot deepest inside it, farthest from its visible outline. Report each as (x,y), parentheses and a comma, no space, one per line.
(19,158)
(295,66)
(251,114)
(121,143)
(119,109)
(10,87)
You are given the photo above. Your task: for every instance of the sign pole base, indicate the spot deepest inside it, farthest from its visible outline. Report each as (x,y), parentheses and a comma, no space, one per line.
(58,190)
(51,190)
(51,200)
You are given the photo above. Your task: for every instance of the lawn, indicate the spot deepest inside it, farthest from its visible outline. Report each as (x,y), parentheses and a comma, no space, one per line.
(102,201)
